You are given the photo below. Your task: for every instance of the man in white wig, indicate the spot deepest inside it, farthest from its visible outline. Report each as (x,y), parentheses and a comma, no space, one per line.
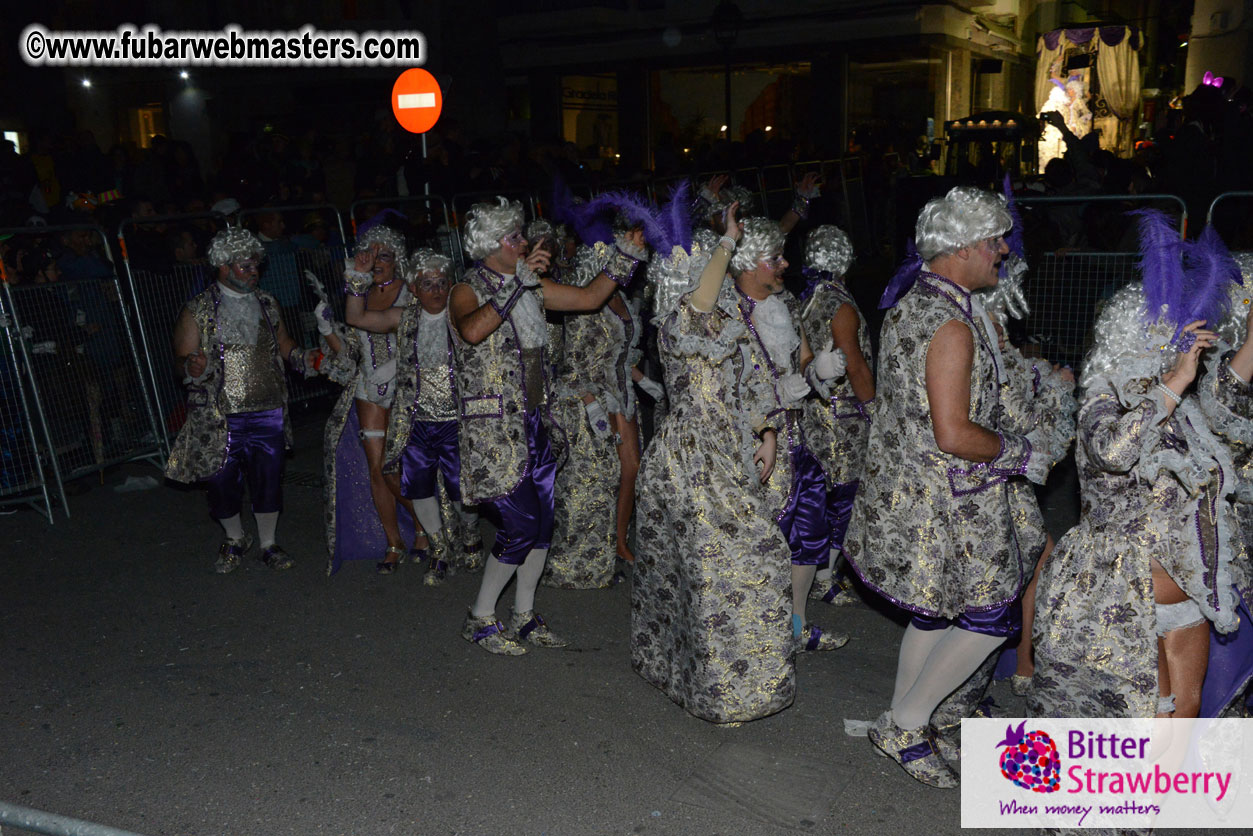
(508,464)
(231,348)
(931,531)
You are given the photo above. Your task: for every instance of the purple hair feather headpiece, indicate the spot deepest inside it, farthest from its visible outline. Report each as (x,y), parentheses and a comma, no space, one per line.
(675,220)
(1161,265)
(366,226)
(1208,273)
(904,277)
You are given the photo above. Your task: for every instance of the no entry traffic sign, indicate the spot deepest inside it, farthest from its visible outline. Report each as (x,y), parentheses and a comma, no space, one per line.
(417,100)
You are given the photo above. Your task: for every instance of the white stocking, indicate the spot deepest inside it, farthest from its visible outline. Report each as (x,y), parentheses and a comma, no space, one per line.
(267,523)
(427,512)
(802,580)
(233,527)
(916,646)
(496,576)
(955,657)
(528,578)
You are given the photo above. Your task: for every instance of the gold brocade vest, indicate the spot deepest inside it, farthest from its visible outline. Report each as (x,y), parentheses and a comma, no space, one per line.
(200,447)
(422,394)
(492,382)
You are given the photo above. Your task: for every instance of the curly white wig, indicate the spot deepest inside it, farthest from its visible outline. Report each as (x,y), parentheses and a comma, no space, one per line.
(829,249)
(387,239)
(1127,344)
(234,244)
(426,260)
(762,238)
(963,217)
(487,224)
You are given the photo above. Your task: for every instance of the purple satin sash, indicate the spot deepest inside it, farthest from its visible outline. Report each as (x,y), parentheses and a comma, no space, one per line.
(358,533)
(1230,665)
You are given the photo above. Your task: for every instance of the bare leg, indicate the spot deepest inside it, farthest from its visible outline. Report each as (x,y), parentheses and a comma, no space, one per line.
(1182,655)
(1026,662)
(374,417)
(629,456)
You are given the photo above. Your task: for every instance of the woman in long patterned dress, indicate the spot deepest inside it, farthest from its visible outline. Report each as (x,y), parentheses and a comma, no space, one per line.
(1125,605)
(595,402)
(710,604)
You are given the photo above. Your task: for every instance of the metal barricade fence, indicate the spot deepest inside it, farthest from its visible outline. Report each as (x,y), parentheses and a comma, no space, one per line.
(30,820)
(1066,287)
(159,284)
(24,438)
(87,382)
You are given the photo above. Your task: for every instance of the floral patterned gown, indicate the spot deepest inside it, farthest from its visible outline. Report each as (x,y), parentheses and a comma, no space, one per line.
(711,601)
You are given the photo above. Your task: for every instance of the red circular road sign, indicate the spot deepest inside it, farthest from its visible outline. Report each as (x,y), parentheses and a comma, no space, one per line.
(417,100)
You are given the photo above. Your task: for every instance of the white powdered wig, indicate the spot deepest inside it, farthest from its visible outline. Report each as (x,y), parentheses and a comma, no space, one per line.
(1008,298)
(762,238)
(387,239)
(829,249)
(426,260)
(963,217)
(1127,344)
(487,224)
(234,244)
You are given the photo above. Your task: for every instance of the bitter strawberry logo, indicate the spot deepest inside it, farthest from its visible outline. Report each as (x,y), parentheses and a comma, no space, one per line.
(1030,759)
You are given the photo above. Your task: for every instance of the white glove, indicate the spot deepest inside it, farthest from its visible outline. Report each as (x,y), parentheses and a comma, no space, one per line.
(46,347)
(708,196)
(811,193)
(526,276)
(598,419)
(829,364)
(652,387)
(323,316)
(28,332)
(792,387)
(80,318)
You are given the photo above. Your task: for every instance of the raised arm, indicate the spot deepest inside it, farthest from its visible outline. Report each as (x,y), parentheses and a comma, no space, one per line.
(950,359)
(379,322)
(706,292)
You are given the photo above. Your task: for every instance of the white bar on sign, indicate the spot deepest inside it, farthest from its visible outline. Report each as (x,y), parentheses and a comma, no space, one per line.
(405,101)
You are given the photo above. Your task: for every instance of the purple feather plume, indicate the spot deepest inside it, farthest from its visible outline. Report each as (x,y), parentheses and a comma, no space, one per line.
(1014,240)
(1161,264)
(635,208)
(1208,273)
(676,220)
(904,277)
(366,226)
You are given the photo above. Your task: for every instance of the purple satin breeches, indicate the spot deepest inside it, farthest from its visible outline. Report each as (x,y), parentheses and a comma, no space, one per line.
(254,452)
(432,449)
(804,521)
(524,518)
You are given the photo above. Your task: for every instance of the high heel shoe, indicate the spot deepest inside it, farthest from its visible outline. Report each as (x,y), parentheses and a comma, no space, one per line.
(387,567)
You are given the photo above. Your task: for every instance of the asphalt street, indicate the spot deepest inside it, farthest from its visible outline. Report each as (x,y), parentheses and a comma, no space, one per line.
(142,691)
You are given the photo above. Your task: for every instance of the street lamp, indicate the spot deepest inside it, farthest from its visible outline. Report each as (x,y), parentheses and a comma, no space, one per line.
(725,22)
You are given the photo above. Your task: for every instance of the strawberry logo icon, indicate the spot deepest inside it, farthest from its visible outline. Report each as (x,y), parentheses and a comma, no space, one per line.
(1030,759)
